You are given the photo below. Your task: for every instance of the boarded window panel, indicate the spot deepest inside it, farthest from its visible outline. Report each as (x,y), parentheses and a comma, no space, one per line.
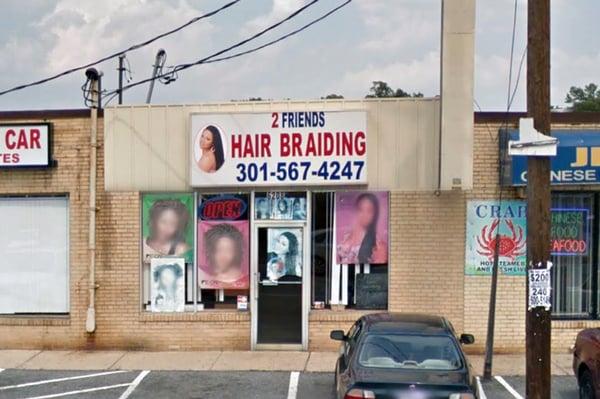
(34,248)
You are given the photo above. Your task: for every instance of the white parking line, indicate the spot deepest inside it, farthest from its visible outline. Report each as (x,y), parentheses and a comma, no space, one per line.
(1,370)
(134,384)
(480,389)
(293,389)
(506,385)
(70,393)
(77,377)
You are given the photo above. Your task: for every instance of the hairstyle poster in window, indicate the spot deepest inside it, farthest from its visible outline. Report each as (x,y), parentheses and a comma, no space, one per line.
(167,226)
(223,259)
(284,253)
(280,206)
(167,293)
(488,221)
(262,208)
(361,227)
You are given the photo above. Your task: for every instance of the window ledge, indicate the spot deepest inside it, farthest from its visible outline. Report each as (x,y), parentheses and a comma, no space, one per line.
(339,315)
(574,324)
(34,320)
(219,316)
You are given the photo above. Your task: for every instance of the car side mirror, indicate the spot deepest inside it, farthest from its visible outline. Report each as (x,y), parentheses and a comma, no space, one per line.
(467,339)
(337,335)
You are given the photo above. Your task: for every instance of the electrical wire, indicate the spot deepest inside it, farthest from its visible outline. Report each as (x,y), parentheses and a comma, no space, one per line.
(489,346)
(208,59)
(287,35)
(114,55)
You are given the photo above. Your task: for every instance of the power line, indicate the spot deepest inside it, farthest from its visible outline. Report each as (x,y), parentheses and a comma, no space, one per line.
(209,59)
(489,345)
(287,35)
(114,55)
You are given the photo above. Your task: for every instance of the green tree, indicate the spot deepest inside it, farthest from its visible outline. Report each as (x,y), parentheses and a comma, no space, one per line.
(332,96)
(586,99)
(381,89)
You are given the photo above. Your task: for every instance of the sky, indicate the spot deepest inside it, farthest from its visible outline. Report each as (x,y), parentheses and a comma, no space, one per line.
(397,41)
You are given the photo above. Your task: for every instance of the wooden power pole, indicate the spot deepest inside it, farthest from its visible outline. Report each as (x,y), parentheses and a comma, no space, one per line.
(538,195)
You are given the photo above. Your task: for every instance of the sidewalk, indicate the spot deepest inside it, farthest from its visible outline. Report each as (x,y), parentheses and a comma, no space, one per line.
(506,365)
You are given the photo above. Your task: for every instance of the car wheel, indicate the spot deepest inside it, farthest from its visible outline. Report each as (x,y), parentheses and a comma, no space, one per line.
(586,386)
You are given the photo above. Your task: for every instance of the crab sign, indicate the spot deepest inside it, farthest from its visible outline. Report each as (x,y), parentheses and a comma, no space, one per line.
(508,247)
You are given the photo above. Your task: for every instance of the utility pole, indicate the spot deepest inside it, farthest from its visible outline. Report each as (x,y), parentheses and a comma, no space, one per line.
(538,319)
(156,68)
(121,70)
(95,78)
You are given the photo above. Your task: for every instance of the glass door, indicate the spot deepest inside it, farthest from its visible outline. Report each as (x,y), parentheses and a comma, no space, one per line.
(280,269)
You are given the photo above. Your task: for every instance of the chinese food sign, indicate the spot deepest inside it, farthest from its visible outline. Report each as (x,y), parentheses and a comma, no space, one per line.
(570,232)
(487,222)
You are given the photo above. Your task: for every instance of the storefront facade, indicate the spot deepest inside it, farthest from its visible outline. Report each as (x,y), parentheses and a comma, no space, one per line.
(297,272)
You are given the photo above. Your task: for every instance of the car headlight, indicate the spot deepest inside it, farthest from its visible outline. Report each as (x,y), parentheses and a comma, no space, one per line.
(462,396)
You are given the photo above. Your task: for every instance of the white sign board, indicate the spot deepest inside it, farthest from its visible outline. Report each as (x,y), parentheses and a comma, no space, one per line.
(278,149)
(24,145)
(540,287)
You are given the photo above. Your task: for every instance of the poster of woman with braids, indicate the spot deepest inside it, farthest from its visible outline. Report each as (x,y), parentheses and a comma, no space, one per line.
(223,259)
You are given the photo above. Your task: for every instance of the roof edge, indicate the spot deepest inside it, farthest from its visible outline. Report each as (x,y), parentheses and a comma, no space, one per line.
(571,118)
(48,114)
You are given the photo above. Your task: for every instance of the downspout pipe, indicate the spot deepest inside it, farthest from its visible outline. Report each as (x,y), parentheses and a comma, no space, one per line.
(94,77)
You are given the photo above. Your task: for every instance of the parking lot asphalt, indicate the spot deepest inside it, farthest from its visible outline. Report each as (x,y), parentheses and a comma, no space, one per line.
(120,384)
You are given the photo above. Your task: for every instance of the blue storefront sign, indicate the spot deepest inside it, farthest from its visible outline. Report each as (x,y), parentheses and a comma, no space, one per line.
(577,160)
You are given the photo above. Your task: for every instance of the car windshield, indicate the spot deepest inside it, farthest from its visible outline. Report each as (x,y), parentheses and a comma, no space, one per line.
(397,351)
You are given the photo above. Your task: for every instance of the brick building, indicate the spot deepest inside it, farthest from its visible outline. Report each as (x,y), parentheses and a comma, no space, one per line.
(425,269)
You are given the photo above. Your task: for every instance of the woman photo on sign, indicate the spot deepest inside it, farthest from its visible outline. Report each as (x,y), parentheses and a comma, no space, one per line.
(211,148)
(167,224)
(281,208)
(362,234)
(167,289)
(225,264)
(284,254)
(263,209)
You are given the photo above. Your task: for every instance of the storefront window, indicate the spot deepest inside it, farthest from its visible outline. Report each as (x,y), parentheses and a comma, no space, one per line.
(350,249)
(573,255)
(34,242)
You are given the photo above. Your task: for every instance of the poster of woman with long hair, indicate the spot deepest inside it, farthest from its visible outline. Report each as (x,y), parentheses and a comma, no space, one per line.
(361,227)
(210,151)
(167,228)
(284,253)
(167,288)
(223,261)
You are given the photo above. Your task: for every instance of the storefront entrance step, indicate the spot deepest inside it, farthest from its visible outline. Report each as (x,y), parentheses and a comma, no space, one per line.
(13,358)
(262,361)
(513,365)
(167,361)
(322,362)
(72,360)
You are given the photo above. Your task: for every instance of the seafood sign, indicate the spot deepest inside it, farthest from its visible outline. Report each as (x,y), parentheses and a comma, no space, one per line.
(487,222)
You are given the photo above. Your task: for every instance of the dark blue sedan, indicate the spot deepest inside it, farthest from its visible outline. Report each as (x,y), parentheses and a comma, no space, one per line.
(403,356)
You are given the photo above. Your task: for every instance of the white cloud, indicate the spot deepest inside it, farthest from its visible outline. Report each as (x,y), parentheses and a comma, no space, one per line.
(279,10)
(419,75)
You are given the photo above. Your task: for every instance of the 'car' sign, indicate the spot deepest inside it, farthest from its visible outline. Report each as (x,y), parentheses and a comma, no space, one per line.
(25,145)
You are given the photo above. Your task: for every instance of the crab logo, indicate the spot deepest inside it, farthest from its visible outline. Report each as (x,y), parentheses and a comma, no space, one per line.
(509,246)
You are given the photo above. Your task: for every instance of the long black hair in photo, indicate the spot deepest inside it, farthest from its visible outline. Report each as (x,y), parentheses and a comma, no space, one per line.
(217,145)
(370,240)
(290,257)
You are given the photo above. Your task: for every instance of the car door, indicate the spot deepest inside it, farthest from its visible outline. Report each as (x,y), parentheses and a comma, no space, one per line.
(347,349)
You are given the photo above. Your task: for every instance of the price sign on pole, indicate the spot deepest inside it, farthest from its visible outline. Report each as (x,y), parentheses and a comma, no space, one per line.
(540,287)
